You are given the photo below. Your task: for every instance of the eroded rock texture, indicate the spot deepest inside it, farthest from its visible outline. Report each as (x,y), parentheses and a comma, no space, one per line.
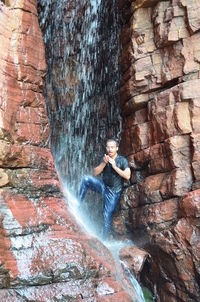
(160,101)
(43,254)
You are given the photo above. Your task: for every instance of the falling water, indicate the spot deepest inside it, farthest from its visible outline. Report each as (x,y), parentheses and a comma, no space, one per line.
(115,247)
(123,272)
(82,48)
(81,39)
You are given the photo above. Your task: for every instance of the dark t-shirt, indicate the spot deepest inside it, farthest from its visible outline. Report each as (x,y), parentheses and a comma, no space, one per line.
(111,178)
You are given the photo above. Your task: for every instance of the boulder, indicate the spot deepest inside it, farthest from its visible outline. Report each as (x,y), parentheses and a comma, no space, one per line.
(134,258)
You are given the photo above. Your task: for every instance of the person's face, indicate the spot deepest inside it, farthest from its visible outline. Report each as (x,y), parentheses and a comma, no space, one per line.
(111,148)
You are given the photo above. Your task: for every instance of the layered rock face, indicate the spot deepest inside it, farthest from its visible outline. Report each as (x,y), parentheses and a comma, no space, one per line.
(160,101)
(43,254)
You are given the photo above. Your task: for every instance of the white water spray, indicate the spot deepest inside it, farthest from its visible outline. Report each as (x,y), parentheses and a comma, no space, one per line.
(114,246)
(82,50)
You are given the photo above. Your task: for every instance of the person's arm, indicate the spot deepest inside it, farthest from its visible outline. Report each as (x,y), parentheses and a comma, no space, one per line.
(126,174)
(102,165)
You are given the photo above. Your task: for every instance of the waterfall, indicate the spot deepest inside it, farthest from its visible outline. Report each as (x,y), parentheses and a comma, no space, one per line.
(82,49)
(123,272)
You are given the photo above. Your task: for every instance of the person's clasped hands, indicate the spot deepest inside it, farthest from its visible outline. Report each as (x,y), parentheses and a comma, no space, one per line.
(108,159)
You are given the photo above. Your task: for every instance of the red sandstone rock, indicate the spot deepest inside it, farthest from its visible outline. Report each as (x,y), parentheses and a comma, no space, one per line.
(134,258)
(190,52)
(163,54)
(190,205)
(150,188)
(136,103)
(195,111)
(157,216)
(139,160)
(42,250)
(175,252)
(142,41)
(172,153)
(177,183)
(193,11)
(159,160)
(130,197)
(139,117)
(157,143)
(143,3)
(196,156)
(169,23)
(178,150)
(120,223)
(169,120)
(136,138)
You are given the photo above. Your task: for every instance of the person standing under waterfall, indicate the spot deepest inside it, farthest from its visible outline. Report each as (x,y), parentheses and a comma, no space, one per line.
(115,169)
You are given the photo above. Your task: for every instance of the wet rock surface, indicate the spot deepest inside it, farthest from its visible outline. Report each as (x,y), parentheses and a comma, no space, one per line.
(134,258)
(44,256)
(43,253)
(160,107)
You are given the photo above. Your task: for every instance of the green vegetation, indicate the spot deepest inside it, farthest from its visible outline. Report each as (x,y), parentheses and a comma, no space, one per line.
(147,295)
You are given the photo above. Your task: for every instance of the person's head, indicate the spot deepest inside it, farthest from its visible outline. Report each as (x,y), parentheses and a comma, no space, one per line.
(112,147)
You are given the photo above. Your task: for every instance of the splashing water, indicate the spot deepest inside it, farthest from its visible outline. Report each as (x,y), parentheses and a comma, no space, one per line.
(81,216)
(82,48)
(114,246)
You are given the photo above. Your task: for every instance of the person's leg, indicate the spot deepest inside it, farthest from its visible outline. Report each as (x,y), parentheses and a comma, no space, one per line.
(110,202)
(92,183)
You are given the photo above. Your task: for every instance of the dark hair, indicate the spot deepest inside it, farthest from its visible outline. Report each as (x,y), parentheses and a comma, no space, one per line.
(113,140)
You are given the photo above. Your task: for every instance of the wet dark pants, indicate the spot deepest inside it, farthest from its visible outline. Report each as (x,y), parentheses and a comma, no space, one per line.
(110,199)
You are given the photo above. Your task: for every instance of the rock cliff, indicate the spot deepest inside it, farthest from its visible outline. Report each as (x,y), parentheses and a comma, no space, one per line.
(43,254)
(160,101)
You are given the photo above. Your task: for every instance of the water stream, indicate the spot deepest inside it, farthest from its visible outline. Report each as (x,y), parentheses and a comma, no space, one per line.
(82,48)
(123,272)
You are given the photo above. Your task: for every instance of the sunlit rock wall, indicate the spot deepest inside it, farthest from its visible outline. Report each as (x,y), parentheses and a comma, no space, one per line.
(160,104)
(43,254)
